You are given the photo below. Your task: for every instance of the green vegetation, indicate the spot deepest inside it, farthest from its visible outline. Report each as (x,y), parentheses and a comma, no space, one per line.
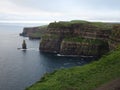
(50,36)
(43,26)
(61,24)
(73,39)
(83,40)
(36,34)
(78,21)
(116,31)
(100,25)
(87,77)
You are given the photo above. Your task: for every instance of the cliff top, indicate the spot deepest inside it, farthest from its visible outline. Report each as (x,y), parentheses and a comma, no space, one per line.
(83,40)
(69,24)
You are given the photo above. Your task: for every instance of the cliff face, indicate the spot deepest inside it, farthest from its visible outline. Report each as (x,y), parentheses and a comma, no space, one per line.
(76,48)
(83,48)
(50,43)
(75,39)
(114,40)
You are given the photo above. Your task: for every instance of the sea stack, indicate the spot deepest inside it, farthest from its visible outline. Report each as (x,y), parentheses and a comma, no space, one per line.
(24,45)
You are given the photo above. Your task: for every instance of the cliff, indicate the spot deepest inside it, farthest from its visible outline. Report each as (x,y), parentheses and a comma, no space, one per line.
(34,32)
(114,40)
(77,38)
(81,46)
(50,43)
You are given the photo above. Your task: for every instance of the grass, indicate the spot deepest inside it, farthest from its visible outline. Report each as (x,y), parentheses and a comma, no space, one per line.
(79,21)
(62,24)
(43,26)
(83,40)
(59,24)
(50,36)
(99,25)
(36,34)
(102,26)
(87,77)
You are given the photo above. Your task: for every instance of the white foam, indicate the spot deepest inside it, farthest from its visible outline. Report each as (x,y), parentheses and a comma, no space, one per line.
(30,49)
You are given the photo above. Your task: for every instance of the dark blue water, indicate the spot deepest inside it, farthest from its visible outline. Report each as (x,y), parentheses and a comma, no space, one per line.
(20,69)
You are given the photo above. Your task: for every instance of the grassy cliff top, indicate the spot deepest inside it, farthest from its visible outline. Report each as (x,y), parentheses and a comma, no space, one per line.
(43,26)
(65,23)
(61,24)
(87,77)
(83,40)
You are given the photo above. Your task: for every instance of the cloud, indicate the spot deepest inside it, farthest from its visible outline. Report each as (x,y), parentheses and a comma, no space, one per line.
(68,5)
(10,7)
(46,10)
(11,11)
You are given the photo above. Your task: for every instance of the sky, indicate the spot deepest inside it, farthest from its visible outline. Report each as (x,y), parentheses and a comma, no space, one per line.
(59,10)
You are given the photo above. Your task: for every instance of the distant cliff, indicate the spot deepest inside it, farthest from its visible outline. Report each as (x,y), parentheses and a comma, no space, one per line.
(34,32)
(77,38)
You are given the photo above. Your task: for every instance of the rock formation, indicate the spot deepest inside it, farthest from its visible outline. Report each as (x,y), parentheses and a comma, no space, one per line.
(24,46)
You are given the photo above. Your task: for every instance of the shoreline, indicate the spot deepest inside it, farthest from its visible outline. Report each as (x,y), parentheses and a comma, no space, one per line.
(82,56)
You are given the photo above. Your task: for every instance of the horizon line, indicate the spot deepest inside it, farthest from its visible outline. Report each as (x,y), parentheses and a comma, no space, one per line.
(30,22)
(45,22)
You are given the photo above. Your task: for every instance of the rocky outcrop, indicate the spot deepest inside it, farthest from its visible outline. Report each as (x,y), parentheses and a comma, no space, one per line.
(24,46)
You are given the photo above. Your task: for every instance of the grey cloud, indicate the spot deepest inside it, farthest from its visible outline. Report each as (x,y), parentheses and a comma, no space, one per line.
(70,9)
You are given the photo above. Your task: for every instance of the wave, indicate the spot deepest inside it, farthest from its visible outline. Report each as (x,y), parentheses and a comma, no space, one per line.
(30,49)
(73,56)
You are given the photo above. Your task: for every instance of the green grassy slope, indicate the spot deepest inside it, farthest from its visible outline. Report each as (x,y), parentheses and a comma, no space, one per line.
(83,40)
(86,77)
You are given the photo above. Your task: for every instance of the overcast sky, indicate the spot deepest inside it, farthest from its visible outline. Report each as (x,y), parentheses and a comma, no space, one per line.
(57,10)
